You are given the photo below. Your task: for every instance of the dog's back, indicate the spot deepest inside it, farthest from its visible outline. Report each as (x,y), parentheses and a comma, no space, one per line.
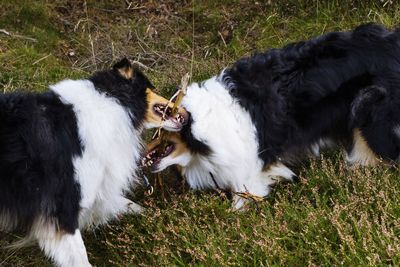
(307,88)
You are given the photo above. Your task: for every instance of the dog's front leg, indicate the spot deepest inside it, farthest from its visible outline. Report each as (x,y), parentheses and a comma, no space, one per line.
(252,189)
(239,203)
(132,207)
(67,250)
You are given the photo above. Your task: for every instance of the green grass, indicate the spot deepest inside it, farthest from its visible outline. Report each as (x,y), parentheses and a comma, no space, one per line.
(333,216)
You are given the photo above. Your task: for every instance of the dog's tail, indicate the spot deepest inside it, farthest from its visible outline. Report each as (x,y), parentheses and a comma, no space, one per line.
(24,242)
(366,102)
(40,227)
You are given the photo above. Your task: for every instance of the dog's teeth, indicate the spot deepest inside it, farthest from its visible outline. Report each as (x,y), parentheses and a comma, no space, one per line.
(180,118)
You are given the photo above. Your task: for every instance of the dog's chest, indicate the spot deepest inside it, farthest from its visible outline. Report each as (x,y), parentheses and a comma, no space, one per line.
(228,130)
(111,146)
(111,150)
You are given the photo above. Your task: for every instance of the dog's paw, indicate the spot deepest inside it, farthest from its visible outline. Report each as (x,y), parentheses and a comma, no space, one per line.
(132,207)
(279,172)
(239,204)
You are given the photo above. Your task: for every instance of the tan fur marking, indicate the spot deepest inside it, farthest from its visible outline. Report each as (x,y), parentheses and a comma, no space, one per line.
(361,153)
(152,99)
(180,146)
(127,72)
(153,144)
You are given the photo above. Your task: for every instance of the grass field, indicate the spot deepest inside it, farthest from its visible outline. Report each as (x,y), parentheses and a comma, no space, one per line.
(333,216)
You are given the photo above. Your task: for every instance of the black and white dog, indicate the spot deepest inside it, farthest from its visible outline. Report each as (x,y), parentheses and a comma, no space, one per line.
(68,155)
(275,108)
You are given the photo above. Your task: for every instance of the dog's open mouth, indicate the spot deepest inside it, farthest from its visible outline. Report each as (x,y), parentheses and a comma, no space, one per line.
(155,155)
(165,111)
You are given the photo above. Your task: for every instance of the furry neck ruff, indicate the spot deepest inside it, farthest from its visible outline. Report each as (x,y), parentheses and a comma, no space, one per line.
(221,124)
(112,146)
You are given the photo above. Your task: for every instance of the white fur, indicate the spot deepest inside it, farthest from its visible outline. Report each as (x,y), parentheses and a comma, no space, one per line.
(170,124)
(321,144)
(106,168)
(111,150)
(181,160)
(220,122)
(279,171)
(67,250)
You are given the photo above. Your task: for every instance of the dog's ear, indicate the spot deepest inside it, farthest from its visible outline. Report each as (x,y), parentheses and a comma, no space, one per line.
(125,69)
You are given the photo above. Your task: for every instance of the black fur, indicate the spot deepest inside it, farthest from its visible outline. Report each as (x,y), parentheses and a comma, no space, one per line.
(304,92)
(376,113)
(125,90)
(196,146)
(38,141)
